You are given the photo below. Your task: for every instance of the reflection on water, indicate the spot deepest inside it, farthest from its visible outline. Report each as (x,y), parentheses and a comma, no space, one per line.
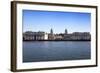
(53,50)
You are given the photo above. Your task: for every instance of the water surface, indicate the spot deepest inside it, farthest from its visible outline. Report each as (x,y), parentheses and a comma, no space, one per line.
(35,51)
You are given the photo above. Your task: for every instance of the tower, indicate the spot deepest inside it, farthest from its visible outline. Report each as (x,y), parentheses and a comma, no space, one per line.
(51,31)
(66,32)
(51,35)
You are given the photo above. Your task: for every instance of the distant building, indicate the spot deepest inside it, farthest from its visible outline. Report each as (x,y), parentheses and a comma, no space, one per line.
(35,35)
(78,36)
(40,35)
(67,37)
(58,37)
(46,36)
(66,32)
(51,35)
(81,36)
(51,31)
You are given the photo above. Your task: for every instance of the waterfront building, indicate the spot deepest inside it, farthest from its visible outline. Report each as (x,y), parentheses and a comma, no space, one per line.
(58,37)
(67,37)
(28,35)
(35,35)
(81,36)
(40,35)
(78,36)
(46,36)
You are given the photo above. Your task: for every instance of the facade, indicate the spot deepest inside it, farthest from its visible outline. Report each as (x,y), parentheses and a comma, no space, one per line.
(35,35)
(81,36)
(58,37)
(78,36)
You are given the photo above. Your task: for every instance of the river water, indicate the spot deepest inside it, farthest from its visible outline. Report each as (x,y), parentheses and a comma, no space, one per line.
(35,51)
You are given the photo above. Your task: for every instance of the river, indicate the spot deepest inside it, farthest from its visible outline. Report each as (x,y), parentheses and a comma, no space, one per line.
(36,51)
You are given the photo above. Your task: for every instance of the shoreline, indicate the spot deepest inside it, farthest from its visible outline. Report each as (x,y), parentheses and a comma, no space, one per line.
(56,40)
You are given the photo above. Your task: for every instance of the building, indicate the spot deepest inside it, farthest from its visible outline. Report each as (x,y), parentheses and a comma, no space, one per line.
(66,32)
(51,36)
(81,36)
(29,35)
(40,35)
(78,36)
(51,31)
(58,37)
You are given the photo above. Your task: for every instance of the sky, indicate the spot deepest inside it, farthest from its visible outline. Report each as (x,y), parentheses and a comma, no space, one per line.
(59,21)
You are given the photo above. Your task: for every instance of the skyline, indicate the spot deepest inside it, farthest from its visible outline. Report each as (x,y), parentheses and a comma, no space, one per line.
(57,33)
(59,21)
